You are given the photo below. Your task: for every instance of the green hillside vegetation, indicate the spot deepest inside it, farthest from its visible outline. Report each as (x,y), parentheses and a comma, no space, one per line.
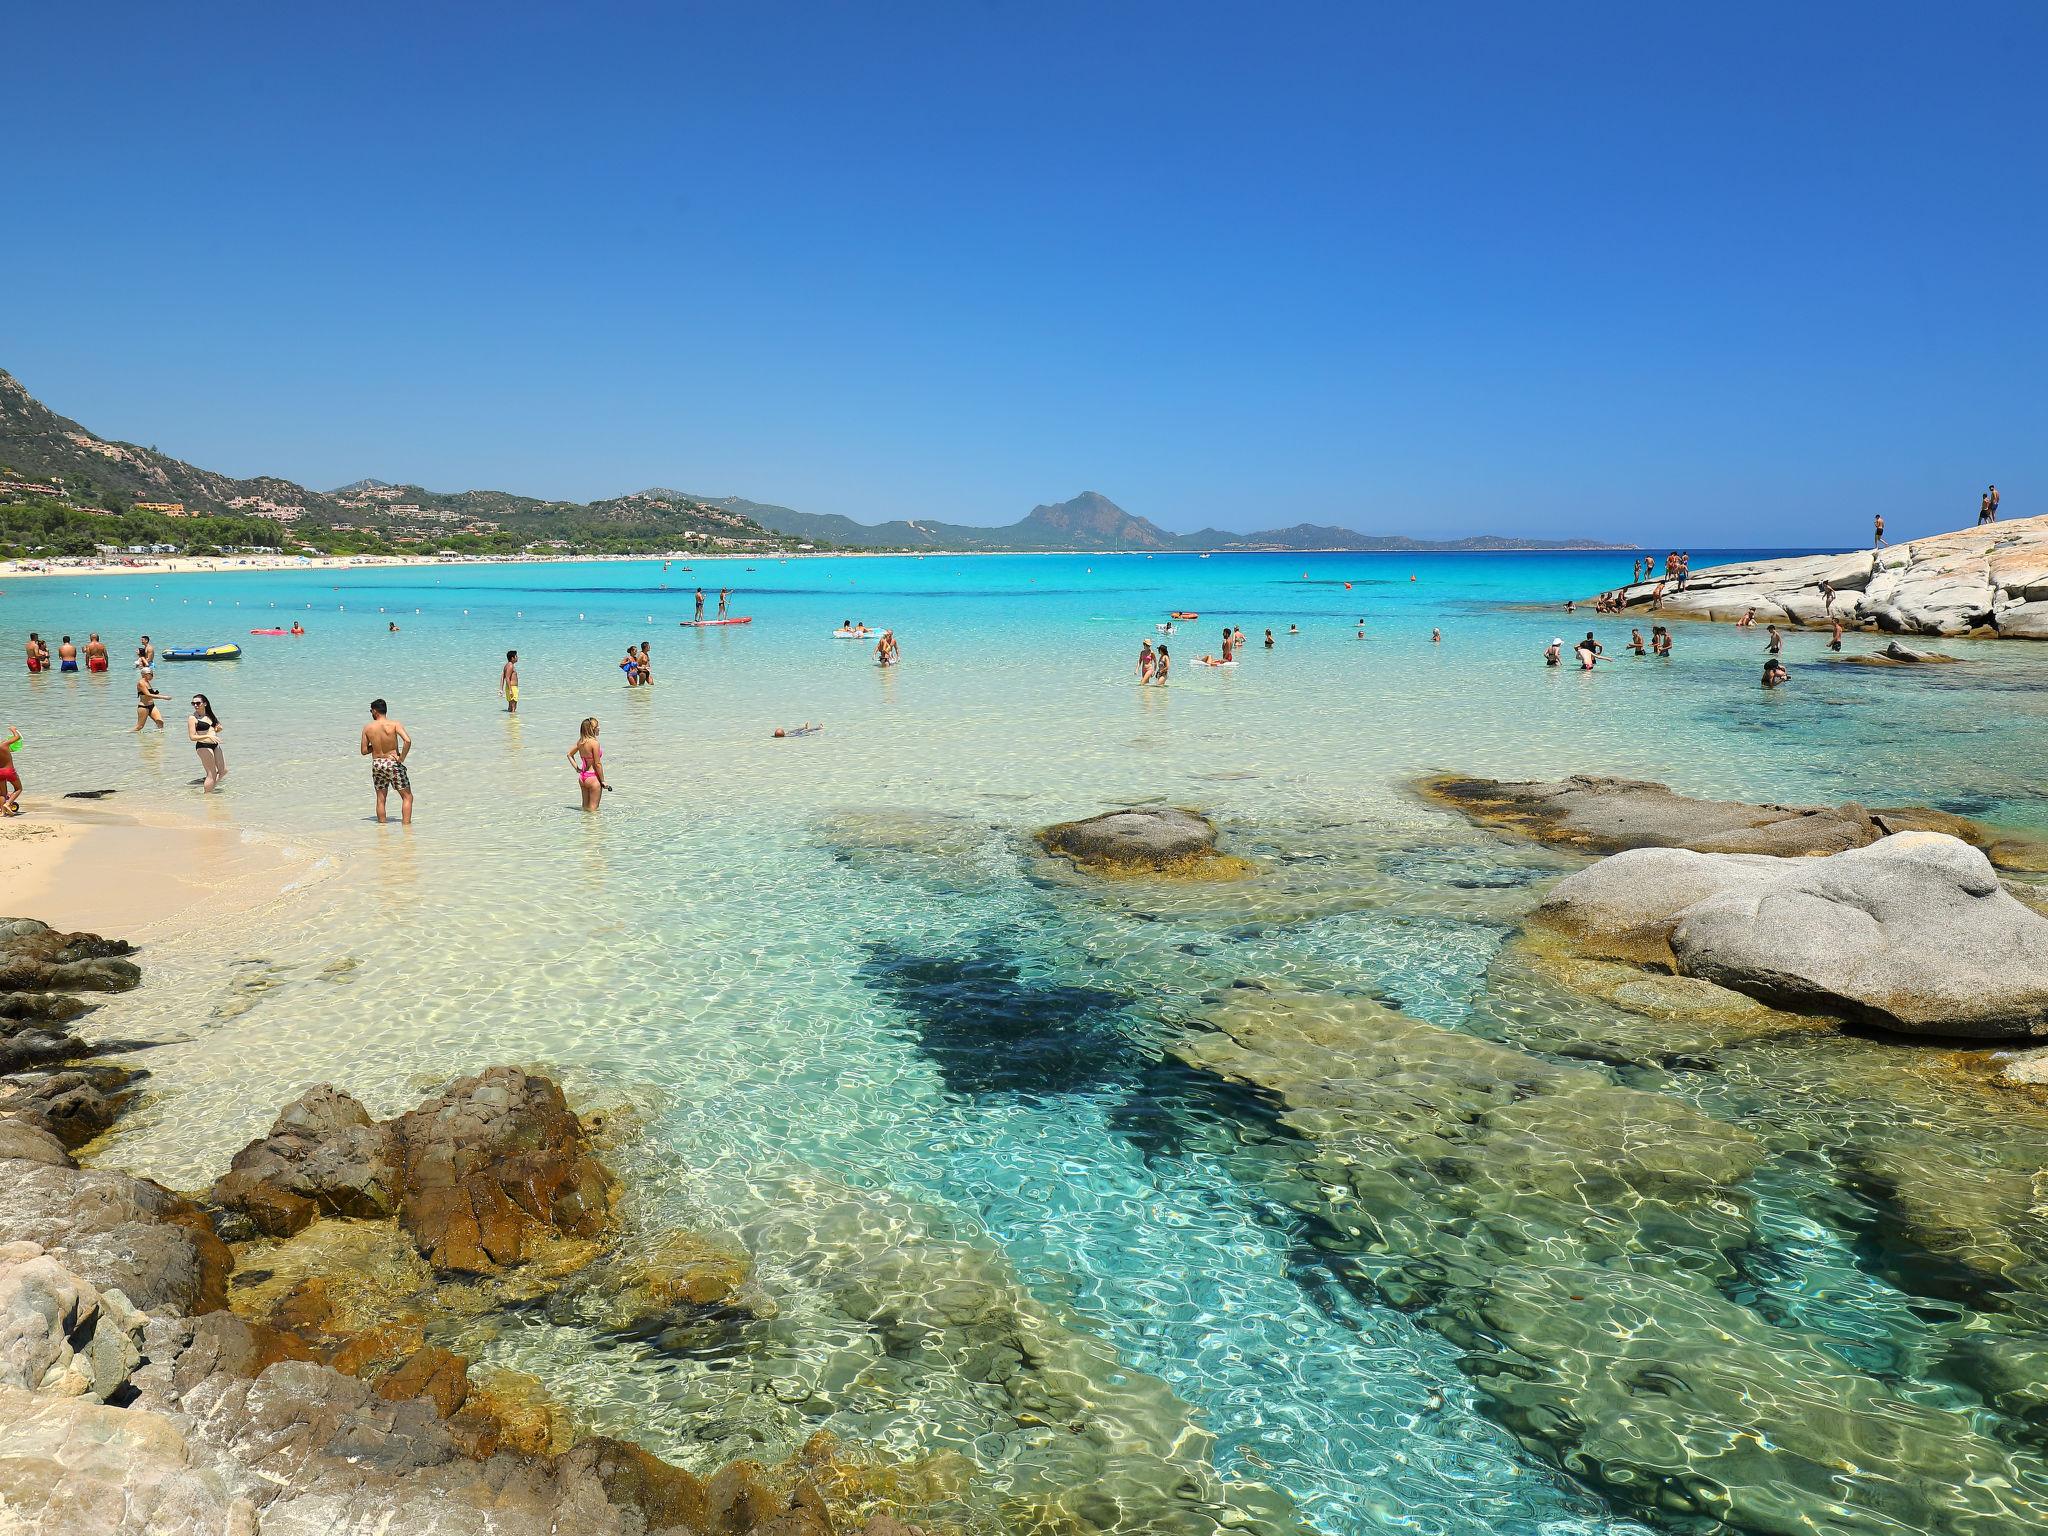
(52,528)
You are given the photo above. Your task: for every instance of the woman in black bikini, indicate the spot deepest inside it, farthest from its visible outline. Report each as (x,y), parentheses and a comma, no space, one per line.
(203,730)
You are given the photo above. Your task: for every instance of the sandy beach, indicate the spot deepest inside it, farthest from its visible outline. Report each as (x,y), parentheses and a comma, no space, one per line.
(78,864)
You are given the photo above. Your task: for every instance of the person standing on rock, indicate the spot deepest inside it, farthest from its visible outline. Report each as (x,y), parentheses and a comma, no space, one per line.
(1878,526)
(387,744)
(1827,596)
(1990,505)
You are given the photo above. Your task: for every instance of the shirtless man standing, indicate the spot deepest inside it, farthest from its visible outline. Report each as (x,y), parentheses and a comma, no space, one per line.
(508,682)
(387,745)
(95,653)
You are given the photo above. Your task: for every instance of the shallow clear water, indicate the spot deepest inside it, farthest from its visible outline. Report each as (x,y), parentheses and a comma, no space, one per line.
(871,1036)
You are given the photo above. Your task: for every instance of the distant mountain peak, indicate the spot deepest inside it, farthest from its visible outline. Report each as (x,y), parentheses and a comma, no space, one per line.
(357,487)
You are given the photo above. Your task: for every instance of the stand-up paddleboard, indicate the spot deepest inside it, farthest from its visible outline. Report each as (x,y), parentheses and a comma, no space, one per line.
(710,623)
(269,631)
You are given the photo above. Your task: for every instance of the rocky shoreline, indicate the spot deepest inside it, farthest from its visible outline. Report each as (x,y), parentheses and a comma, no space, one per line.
(1990,582)
(154,1379)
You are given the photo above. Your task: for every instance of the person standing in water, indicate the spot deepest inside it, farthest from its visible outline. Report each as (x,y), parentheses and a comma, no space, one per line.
(147,651)
(1165,662)
(1269,639)
(587,758)
(147,699)
(1635,641)
(508,682)
(1145,661)
(888,652)
(1774,672)
(1777,641)
(387,744)
(1835,638)
(95,653)
(202,729)
(1553,653)
(67,655)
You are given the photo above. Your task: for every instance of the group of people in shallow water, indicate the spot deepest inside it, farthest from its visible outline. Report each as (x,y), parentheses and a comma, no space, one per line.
(1590,652)
(1155,663)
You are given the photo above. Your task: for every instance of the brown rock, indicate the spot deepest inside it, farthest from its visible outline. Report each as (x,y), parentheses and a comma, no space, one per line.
(220,1341)
(665,1496)
(374,1350)
(324,1155)
(1607,815)
(492,1168)
(739,1498)
(510,1411)
(1146,840)
(430,1373)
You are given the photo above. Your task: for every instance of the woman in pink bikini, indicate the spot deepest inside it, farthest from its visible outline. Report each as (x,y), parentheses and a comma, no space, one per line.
(587,757)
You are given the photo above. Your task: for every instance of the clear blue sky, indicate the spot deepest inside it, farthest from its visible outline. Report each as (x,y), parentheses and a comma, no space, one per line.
(1711,274)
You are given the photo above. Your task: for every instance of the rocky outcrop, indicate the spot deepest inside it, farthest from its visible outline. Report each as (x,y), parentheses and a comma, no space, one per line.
(324,1156)
(1989,581)
(1607,815)
(479,1176)
(42,973)
(1912,934)
(59,1332)
(1146,840)
(494,1167)
(168,1414)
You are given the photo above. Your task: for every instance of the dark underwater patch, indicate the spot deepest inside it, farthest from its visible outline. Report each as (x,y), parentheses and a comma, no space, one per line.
(990,1029)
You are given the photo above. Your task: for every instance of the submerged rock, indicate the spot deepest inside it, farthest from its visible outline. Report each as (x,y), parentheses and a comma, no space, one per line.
(1580,1243)
(1608,815)
(1675,1398)
(1913,934)
(1146,840)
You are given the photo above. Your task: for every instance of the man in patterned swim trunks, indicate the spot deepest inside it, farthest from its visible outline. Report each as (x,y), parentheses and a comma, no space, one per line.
(386,744)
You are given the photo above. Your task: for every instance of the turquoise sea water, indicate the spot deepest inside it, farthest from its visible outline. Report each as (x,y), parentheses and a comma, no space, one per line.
(929,1081)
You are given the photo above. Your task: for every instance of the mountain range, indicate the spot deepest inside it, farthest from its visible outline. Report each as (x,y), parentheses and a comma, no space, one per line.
(40,448)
